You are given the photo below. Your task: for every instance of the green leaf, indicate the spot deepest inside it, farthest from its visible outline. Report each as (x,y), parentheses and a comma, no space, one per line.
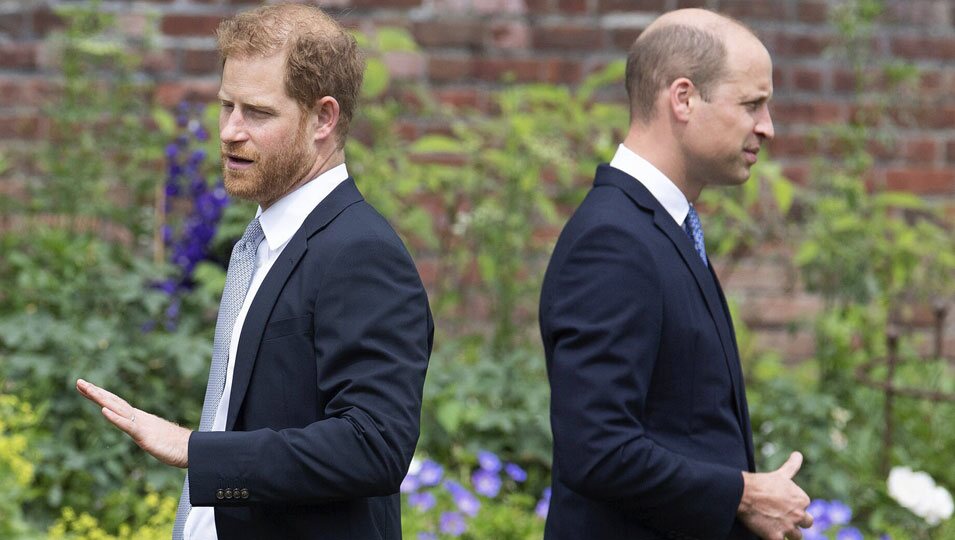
(392,39)
(436,144)
(164,120)
(376,79)
(783,193)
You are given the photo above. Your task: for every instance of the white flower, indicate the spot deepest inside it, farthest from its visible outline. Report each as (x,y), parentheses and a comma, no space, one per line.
(916,491)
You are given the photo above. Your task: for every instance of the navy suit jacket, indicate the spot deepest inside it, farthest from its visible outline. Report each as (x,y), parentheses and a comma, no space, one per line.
(326,393)
(651,428)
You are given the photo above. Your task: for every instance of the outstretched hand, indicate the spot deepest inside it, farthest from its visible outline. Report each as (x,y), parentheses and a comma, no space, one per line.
(773,506)
(164,440)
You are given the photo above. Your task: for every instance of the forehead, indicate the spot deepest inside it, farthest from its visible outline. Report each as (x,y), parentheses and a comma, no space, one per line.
(749,69)
(254,79)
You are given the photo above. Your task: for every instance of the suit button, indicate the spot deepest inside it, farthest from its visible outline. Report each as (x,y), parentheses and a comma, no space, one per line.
(228,493)
(220,494)
(244,493)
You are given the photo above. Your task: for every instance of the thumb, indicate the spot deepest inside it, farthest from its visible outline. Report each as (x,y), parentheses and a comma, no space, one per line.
(791,467)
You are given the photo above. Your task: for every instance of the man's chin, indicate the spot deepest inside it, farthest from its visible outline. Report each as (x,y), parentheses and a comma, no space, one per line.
(240,185)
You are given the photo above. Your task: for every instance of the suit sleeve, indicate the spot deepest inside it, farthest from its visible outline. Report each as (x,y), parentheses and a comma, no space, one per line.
(603,321)
(373,335)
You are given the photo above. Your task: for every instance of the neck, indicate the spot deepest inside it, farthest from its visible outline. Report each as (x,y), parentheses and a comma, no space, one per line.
(662,150)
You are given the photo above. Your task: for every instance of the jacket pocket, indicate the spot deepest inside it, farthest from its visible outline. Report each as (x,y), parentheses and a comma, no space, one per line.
(287,327)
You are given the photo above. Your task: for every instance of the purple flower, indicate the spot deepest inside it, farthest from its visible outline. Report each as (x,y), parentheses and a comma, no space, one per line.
(849,533)
(819,510)
(463,499)
(486,483)
(430,473)
(201,134)
(427,536)
(489,461)
(453,523)
(422,500)
(172,150)
(515,472)
(543,505)
(839,513)
(409,484)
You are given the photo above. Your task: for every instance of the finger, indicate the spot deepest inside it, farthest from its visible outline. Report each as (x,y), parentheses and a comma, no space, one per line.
(125,423)
(105,398)
(791,467)
(806,520)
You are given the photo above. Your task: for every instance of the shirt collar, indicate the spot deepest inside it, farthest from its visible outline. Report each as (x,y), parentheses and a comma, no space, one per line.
(282,219)
(662,188)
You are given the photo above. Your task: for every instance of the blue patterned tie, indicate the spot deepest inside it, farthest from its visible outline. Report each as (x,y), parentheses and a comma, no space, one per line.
(695,231)
(238,278)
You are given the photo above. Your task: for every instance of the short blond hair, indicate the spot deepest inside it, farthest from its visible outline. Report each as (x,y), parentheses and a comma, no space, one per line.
(322,59)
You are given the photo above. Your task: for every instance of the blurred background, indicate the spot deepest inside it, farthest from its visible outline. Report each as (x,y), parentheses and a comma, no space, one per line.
(481,127)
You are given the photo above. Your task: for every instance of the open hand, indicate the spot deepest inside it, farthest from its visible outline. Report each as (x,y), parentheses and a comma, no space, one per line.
(773,506)
(164,440)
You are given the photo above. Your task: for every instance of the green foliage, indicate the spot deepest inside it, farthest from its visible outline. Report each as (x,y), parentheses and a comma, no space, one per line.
(475,399)
(18,434)
(99,157)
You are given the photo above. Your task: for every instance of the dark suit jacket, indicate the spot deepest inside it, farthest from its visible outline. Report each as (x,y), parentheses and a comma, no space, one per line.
(326,393)
(651,428)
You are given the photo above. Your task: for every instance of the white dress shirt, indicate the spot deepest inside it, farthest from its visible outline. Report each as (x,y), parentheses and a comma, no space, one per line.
(279,223)
(662,188)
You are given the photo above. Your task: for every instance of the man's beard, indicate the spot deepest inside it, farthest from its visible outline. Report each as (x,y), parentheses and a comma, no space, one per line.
(270,176)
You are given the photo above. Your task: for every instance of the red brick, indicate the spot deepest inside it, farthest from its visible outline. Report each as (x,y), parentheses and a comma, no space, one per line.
(813,112)
(792,145)
(507,69)
(812,11)
(807,79)
(884,151)
(921,151)
(22,126)
(450,68)
(392,4)
(920,47)
(45,21)
(201,62)
(510,35)
(950,151)
(623,38)
(844,80)
(170,93)
(780,311)
(457,33)
(757,274)
(405,65)
(942,117)
(923,181)
(754,9)
(799,174)
(568,38)
(793,346)
(790,44)
(681,4)
(159,61)
(572,6)
(18,55)
(539,6)
(25,91)
(606,6)
(561,71)
(190,25)
(470,98)
(15,25)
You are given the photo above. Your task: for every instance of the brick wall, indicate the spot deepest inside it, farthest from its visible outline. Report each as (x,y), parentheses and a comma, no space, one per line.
(467,46)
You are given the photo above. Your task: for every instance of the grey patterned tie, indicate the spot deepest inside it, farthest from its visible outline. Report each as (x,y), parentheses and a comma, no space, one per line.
(238,278)
(694,230)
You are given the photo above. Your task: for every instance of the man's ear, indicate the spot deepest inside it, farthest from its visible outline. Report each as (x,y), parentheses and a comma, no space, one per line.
(681,96)
(326,113)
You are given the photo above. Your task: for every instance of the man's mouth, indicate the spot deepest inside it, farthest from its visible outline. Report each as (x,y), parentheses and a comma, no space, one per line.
(750,154)
(235,161)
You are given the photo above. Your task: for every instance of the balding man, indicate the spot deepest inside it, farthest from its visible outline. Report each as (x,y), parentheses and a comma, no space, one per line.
(652,436)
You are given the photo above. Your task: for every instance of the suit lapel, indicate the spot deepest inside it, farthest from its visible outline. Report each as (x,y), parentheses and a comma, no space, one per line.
(708,285)
(260,310)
